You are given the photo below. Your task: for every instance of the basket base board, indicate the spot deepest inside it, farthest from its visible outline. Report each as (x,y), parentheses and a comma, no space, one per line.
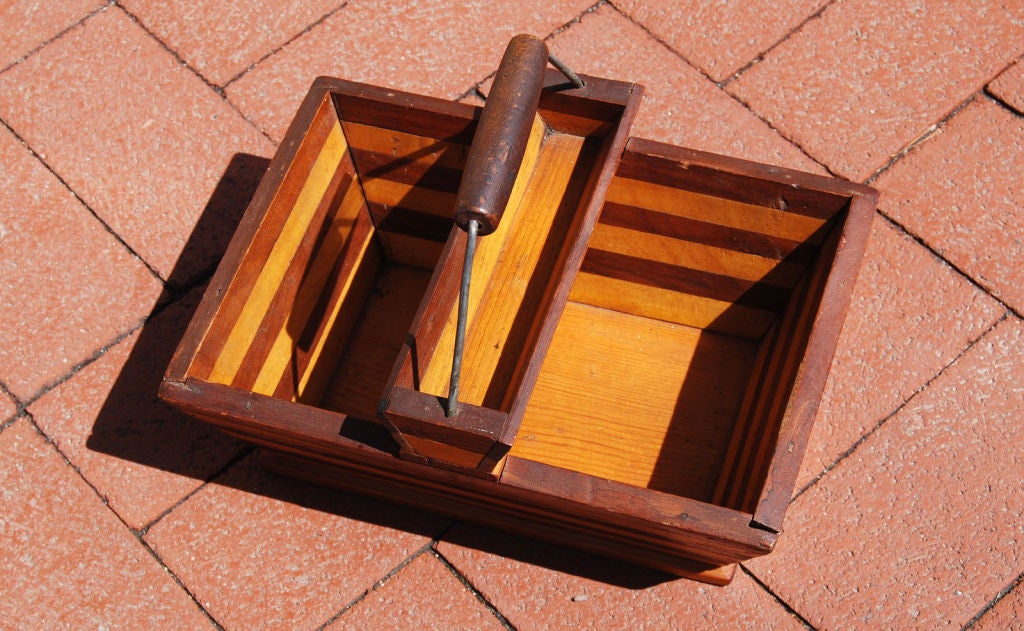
(378,334)
(393,486)
(637,400)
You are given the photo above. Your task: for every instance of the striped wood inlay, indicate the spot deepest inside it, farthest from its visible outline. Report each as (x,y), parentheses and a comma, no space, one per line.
(695,259)
(410,182)
(763,409)
(277,264)
(322,131)
(713,210)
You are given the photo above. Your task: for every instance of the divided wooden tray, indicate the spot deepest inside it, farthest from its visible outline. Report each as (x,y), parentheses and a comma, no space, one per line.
(651,326)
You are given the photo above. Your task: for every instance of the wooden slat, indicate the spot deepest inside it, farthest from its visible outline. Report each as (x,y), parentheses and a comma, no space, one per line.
(387,193)
(380,152)
(492,258)
(847,247)
(671,306)
(277,261)
(743,181)
(427,172)
(410,250)
(333,320)
(301,284)
(404,112)
(774,408)
(638,243)
(291,319)
(745,420)
(666,199)
(765,385)
(378,334)
(684,280)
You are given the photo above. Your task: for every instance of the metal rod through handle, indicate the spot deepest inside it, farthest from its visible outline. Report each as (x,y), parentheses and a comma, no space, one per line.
(452,407)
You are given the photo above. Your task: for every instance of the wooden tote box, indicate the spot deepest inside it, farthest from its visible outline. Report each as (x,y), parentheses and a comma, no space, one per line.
(649,331)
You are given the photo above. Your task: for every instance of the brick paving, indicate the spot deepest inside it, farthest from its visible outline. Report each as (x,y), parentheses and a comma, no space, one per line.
(133,133)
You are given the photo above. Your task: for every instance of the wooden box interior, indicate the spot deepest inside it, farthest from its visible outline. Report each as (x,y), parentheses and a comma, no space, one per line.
(674,362)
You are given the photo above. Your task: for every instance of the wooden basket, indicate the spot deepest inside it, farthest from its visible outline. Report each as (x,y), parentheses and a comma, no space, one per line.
(651,334)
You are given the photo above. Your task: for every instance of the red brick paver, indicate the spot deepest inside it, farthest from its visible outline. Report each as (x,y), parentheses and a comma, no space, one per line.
(911,314)
(423,595)
(140,455)
(859,84)
(433,47)
(1008,613)
(539,586)
(67,561)
(960,192)
(680,106)
(920,526)
(259,551)
(69,287)
(1009,87)
(26,25)
(7,407)
(720,37)
(138,136)
(223,39)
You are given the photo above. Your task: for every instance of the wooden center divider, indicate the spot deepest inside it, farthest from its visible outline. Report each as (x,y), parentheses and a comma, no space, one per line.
(521,276)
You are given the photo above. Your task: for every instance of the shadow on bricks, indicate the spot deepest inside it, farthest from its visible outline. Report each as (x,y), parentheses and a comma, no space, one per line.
(133,424)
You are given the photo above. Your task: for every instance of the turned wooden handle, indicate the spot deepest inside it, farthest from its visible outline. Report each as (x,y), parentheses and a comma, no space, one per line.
(501,135)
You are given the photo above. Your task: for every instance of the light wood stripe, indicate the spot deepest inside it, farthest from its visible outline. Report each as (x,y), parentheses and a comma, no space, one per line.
(268,280)
(280,307)
(389,193)
(364,252)
(404,147)
(282,351)
(423,173)
(671,306)
(710,209)
(654,247)
(685,280)
(713,235)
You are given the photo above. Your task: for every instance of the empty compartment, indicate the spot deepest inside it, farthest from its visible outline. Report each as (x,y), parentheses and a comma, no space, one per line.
(676,359)
(336,264)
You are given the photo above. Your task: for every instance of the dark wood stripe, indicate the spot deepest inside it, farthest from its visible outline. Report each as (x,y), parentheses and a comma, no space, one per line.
(408,113)
(685,280)
(411,222)
(761,185)
(362,273)
(685,229)
(412,169)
